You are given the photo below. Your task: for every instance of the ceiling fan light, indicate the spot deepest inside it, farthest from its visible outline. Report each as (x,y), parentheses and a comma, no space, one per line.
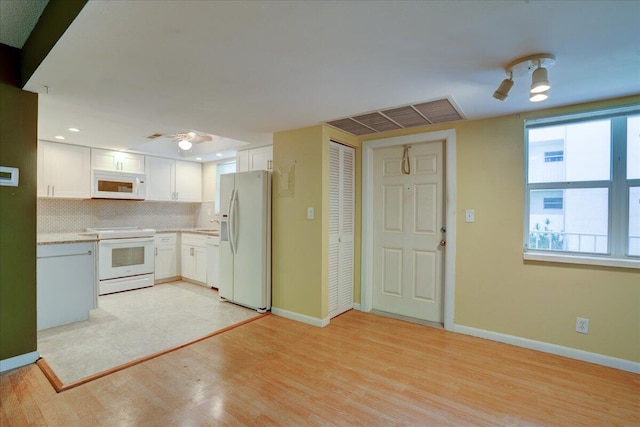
(540,81)
(184,144)
(503,90)
(537,97)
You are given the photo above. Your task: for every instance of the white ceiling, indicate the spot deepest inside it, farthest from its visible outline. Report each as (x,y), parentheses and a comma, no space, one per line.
(244,70)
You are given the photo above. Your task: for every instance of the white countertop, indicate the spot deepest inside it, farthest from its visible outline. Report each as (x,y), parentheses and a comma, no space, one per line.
(56,238)
(85,236)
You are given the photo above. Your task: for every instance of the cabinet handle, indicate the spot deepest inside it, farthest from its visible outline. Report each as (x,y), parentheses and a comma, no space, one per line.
(53,191)
(156,251)
(191,251)
(48,189)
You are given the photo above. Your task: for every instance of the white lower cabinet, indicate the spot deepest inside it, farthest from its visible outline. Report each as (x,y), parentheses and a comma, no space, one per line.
(194,258)
(166,260)
(213,255)
(66,283)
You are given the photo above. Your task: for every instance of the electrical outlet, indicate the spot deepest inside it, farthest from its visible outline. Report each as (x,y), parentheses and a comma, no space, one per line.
(582,325)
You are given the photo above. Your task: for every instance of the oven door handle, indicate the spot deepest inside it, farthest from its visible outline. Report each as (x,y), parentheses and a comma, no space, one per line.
(120,241)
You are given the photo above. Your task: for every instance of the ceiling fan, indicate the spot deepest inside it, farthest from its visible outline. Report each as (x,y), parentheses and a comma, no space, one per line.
(187,139)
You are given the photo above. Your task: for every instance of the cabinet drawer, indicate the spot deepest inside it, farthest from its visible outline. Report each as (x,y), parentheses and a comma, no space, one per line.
(166,239)
(193,240)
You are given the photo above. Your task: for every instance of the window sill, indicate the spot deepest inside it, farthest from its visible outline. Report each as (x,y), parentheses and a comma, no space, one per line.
(582,259)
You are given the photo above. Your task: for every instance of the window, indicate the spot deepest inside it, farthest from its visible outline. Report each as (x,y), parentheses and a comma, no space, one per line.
(553,156)
(552,202)
(221,169)
(583,186)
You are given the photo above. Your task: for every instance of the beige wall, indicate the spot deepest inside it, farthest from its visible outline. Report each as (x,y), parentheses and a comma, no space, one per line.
(300,246)
(297,257)
(495,289)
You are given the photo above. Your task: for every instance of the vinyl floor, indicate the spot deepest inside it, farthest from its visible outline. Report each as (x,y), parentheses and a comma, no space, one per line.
(129,325)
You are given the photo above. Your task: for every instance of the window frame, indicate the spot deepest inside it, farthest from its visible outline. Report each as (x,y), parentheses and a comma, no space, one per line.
(618,187)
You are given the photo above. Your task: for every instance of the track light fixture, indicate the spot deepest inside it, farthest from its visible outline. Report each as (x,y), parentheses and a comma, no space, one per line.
(503,90)
(539,63)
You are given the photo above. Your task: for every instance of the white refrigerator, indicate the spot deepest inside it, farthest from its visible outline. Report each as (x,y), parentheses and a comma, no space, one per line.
(245,239)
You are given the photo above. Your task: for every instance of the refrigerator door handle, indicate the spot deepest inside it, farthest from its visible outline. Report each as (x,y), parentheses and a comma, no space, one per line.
(232,221)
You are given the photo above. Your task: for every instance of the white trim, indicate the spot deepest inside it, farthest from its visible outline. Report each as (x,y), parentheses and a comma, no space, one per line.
(573,353)
(581,259)
(356,306)
(449,138)
(314,321)
(18,361)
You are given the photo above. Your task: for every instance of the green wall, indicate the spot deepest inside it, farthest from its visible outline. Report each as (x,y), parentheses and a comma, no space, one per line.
(18,140)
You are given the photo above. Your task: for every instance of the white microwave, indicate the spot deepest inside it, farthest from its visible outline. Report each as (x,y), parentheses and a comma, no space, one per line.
(117,185)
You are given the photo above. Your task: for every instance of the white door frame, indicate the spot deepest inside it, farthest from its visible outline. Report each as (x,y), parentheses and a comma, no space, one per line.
(366,285)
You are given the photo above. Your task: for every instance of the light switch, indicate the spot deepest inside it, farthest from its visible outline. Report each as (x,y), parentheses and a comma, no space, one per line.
(469,215)
(310,213)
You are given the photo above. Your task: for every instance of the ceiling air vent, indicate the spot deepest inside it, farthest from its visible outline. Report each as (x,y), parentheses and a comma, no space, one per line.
(154,136)
(426,113)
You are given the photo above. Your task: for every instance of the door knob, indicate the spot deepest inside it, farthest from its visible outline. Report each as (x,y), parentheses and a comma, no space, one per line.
(443,242)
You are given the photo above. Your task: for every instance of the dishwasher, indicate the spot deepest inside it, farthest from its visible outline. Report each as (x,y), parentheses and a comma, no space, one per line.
(213,250)
(66,283)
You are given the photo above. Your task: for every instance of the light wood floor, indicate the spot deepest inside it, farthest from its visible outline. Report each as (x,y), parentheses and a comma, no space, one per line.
(360,370)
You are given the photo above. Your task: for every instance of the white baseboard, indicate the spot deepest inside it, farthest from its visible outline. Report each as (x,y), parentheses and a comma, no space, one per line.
(300,317)
(18,361)
(573,353)
(356,306)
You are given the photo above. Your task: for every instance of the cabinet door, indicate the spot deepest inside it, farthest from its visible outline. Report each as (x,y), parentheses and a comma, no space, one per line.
(261,158)
(213,253)
(64,171)
(188,182)
(200,261)
(166,262)
(160,178)
(132,163)
(117,161)
(188,262)
(242,161)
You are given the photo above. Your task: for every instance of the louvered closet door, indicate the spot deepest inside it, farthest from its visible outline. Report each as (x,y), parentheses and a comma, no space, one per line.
(341,213)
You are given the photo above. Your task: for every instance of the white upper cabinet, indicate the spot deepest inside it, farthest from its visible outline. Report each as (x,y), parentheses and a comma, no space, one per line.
(117,161)
(173,180)
(161,175)
(64,171)
(255,159)
(188,181)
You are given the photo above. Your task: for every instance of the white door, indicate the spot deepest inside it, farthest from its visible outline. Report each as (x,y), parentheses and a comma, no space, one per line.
(407,221)
(341,225)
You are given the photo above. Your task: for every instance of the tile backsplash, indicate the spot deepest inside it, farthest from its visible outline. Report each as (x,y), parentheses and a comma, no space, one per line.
(68,215)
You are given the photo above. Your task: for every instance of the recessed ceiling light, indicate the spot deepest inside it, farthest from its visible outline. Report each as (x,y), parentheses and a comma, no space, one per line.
(74,129)
(59,137)
(198,158)
(219,154)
